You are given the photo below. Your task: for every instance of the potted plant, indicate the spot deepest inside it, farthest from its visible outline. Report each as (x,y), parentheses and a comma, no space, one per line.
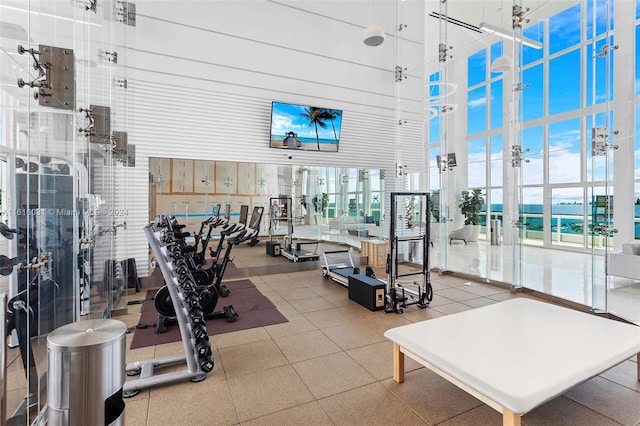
(470,206)
(434,206)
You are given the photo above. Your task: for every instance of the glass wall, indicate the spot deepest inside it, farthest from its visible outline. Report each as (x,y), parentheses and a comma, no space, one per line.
(547,140)
(64,162)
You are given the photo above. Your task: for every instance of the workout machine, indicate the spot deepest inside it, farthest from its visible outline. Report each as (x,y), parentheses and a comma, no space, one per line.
(34,303)
(188,315)
(408,281)
(282,215)
(338,271)
(208,293)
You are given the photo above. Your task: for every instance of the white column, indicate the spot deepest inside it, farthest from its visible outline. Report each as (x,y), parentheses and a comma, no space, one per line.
(623,107)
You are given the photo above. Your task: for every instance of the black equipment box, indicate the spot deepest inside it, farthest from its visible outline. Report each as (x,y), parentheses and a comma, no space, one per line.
(273,248)
(369,292)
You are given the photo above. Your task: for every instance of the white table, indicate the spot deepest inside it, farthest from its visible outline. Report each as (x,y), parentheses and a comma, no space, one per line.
(518,354)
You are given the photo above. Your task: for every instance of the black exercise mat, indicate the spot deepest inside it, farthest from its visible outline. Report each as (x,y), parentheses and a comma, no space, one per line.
(253,308)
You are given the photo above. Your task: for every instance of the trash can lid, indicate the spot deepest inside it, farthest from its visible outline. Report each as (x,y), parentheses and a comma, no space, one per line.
(82,335)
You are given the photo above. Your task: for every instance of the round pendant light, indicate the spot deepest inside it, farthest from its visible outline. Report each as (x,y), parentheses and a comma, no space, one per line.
(502,64)
(374,36)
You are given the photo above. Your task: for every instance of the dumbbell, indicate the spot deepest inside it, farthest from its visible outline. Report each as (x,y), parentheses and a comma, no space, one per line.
(206,364)
(203,348)
(200,331)
(197,316)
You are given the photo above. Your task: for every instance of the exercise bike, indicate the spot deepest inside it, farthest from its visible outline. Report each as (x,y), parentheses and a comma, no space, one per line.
(208,294)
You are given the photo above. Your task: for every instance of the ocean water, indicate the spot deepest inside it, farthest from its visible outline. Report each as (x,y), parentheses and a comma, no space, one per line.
(306,140)
(569,225)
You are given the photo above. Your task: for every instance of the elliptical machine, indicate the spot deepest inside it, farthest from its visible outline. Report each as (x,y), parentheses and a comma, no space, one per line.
(206,294)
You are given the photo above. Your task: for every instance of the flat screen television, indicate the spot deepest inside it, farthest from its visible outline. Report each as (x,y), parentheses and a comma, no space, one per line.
(304,127)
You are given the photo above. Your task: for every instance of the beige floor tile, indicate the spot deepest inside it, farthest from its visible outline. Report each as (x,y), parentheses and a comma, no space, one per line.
(563,411)
(293,294)
(250,358)
(458,294)
(328,287)
(369,405)
(625,374)
(241,337)
(307,345)
(416,314)
(482,289)
(285,308)
(608,398)
(482,415)
(357,333)
(306,414)
(431,396)
(311,304)
(334,316)
(452,308)
(337,299)
(480,302)
(204,403)
(267,392)
(297,324)
(377,359)
(331,374)
(136,411)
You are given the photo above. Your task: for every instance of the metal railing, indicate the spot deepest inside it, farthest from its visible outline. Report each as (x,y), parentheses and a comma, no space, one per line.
(559,221)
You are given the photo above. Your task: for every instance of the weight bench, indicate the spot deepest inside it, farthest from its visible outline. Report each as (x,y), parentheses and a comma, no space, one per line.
(515,355)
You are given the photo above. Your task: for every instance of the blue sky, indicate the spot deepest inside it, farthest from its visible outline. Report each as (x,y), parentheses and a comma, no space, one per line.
(288,117)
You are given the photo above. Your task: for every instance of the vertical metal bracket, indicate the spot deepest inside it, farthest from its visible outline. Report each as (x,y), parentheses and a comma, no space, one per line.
(400,74)
(517,154)
(517,14)
(600,141)
(604,50)
(108,56)
(55,81)
(120,82)
(119,140)
(98,129)
(125,12)
(443,52)
(604,230)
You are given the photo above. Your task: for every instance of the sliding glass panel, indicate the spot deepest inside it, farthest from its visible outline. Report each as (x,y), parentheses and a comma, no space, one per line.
(567,217)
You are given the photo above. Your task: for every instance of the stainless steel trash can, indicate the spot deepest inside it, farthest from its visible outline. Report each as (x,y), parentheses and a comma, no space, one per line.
(86,373)
(495,232)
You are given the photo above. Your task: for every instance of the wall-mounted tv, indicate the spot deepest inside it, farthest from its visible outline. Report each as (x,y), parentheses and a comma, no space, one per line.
(305,127)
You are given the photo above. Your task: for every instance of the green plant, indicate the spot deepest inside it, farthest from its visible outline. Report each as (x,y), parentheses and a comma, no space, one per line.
(470,206)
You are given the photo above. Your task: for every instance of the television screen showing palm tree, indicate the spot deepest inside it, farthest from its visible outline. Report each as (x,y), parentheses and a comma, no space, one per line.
(305,127)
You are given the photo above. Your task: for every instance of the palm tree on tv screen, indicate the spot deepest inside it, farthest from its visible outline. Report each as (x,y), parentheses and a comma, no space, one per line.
(332,115)
(315,117)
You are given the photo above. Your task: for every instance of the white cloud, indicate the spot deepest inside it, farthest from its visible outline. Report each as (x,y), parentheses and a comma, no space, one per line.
(474,103)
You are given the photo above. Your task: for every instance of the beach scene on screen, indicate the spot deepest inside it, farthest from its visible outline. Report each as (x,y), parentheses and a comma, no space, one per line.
(305,127)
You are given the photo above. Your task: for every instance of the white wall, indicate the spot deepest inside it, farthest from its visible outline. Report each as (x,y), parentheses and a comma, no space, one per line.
(202,76)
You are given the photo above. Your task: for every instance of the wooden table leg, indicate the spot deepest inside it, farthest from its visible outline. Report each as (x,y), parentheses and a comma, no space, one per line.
(398,364)
(510,419)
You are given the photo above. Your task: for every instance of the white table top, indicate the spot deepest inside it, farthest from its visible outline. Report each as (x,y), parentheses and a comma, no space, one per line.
(520,353)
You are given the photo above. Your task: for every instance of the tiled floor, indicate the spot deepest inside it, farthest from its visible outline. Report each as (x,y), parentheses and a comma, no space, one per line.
(331,365)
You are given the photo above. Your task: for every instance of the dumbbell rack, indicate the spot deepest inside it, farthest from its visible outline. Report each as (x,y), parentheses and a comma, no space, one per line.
(195,340)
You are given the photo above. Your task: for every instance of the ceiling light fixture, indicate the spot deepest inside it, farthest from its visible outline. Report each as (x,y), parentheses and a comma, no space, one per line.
(488,28)
(501,64)
(374,36)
